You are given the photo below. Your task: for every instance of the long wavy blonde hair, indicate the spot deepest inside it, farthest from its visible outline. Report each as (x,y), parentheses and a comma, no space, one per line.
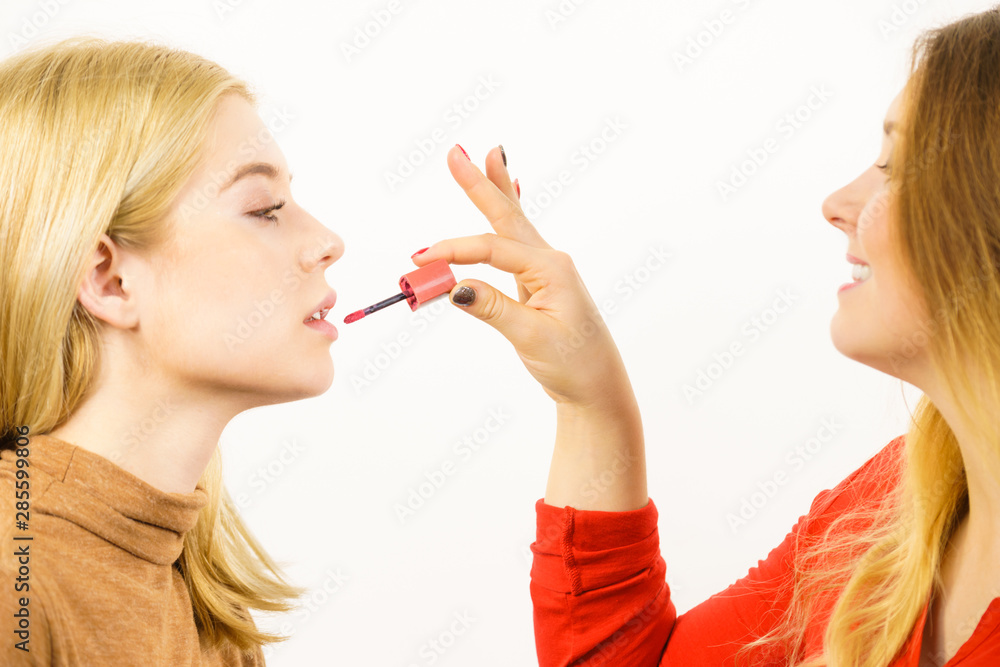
(99,137)
(945,219)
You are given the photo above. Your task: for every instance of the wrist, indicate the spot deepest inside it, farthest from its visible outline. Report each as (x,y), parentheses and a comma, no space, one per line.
(599,460)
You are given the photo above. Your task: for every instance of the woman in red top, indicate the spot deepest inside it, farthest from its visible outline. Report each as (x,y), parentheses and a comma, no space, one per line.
(897,565)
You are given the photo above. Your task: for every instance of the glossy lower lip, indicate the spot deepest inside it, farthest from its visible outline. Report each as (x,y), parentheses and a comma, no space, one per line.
(851,284)
(324,328)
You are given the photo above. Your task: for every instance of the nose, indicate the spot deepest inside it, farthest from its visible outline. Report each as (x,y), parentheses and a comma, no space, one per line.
(326,249)
(842,207)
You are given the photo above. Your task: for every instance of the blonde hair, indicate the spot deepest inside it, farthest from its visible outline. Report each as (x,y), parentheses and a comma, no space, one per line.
(99,137)
(944,212)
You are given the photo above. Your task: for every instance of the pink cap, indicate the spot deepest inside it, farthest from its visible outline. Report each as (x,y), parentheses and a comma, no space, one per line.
(427,282)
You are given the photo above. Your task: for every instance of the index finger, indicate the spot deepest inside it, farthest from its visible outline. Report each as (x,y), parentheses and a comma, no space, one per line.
(504,215)
(532,266)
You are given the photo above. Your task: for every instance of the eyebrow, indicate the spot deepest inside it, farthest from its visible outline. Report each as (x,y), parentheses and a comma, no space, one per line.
(888,126)
(265,168)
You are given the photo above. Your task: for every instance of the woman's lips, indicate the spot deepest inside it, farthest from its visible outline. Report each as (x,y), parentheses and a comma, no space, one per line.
(324,328)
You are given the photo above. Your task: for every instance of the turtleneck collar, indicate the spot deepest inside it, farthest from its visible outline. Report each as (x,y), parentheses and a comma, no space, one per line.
(94,493)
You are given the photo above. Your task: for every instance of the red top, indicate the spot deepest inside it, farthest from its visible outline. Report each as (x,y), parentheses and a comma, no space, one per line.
(600,595)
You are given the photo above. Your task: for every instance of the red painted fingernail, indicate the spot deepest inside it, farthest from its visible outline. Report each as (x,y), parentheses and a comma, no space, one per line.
(420,252)
(463,152)
(518,188)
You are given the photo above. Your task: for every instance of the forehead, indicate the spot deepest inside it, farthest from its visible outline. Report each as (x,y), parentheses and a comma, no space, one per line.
(238,135)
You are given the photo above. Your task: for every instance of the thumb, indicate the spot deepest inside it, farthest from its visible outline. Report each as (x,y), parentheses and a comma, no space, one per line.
(490,305)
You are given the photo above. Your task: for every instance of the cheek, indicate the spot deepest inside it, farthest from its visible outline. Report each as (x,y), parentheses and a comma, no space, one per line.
(212,291)
(872,221)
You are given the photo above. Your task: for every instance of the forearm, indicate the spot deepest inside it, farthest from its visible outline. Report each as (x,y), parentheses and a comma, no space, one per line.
(599,460)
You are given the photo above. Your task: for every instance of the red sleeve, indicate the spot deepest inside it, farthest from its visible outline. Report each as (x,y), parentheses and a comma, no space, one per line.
(598,586)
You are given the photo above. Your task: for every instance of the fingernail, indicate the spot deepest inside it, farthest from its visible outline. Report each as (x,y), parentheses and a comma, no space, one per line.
(503,155)
(517,187)
(420,252)
(463,152)
(464,296)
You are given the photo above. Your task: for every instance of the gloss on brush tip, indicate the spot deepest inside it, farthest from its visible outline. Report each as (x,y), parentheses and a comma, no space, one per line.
(416,287)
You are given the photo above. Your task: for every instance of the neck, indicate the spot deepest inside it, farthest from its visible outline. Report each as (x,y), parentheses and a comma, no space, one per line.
(163,437)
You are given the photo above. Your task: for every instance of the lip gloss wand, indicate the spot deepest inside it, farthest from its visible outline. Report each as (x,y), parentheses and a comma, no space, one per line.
(416,287)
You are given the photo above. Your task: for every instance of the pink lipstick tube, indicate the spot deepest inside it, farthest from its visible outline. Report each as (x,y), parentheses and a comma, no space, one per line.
(427,282)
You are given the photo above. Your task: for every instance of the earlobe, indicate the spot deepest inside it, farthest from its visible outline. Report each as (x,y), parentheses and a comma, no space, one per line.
(104,291)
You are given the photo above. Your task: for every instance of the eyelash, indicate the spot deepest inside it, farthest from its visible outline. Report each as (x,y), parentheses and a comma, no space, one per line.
(263,213)
(884,167)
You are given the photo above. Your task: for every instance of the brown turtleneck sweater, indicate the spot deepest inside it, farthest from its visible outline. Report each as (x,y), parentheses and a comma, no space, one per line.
(103,586)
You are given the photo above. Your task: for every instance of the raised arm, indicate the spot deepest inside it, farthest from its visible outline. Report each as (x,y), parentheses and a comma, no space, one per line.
(598,462)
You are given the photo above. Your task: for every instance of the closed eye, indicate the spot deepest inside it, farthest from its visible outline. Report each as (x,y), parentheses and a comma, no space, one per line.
(266,212)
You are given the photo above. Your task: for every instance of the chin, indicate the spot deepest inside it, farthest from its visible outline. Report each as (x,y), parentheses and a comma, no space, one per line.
(317,383)
(318,380)
(324,378)
(848,340)
(840,335)
(855,346)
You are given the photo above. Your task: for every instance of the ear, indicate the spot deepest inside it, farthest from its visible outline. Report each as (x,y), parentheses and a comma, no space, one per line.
(105,291)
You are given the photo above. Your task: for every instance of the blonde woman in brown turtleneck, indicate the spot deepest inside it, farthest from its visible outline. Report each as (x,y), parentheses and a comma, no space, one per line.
(147,210)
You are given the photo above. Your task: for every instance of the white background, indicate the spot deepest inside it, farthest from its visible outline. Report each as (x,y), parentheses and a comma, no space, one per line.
(329,511)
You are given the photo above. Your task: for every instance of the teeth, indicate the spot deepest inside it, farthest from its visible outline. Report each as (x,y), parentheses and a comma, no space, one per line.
(861,272)
(318,315)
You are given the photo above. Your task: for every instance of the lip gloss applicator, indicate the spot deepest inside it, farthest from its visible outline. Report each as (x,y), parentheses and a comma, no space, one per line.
(416,287)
